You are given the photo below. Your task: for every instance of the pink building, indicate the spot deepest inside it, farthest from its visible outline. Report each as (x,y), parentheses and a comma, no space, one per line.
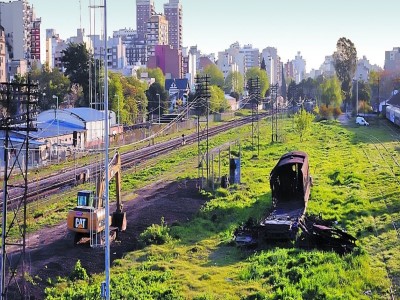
(168,59)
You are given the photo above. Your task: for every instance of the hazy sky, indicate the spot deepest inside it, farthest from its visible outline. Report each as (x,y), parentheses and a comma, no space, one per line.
(309,26)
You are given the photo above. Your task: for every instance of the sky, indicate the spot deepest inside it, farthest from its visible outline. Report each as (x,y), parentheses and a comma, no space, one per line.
(311,27)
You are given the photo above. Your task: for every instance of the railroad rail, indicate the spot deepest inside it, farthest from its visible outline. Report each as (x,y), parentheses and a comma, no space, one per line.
(378,155)
(56,182)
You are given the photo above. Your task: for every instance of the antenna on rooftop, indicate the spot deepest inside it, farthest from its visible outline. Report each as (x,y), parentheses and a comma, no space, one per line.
(80,14)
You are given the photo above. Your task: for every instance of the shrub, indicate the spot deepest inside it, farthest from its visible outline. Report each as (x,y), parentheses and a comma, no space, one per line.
(79,272)
(155,234)
(336,111)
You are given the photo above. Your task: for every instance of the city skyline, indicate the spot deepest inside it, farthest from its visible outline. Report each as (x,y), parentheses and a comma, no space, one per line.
(213,25)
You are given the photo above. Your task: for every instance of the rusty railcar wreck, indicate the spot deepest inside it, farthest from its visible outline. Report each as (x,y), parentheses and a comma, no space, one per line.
(290,183)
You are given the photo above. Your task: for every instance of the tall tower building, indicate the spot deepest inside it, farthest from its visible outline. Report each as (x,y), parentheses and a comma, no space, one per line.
(3,77)
(144,10)
(157,33)
(173,13)
(22,28)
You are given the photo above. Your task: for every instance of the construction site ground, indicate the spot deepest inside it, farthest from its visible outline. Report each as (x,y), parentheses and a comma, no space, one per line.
(50,252)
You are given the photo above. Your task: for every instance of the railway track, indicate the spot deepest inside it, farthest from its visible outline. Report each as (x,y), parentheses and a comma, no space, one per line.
(56,182)
(382,159)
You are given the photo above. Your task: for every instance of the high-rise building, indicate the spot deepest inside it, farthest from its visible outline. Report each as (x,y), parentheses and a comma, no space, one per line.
(168,59)
(3,75)
(272,64)
(392,61)
(173,13)
(135,49)
(22,30)
(54,47)
(157,33)
(300,67)
(144,10)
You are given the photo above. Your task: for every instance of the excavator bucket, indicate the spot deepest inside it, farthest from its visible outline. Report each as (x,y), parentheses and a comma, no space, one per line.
(119,220)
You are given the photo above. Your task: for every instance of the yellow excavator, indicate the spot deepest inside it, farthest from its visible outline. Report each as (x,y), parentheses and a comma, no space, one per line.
(88,218)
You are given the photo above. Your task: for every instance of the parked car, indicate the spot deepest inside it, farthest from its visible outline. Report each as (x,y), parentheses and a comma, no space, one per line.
(361,121)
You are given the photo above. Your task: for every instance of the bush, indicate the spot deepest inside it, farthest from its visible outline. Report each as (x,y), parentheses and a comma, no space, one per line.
(336,112)
(155,234)
(325,112)
(79,272)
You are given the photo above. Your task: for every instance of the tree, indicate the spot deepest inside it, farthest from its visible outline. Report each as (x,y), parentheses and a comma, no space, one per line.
(51,82)
(375,83)
(116,101)
(302,122)
(345,62)
(152,97)
(216,75)
(331,93)
(156,73)
(234,82)
(76,60)
(218,103)
(263,65)
(292,91)
(364,96)
(255,72)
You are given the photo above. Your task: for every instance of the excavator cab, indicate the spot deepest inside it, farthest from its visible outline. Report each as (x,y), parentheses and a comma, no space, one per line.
(85,198)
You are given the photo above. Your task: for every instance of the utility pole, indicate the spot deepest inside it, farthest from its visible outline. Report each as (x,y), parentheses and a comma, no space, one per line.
(274,113)
(58,128)
(202,106)
(13,275)
(253,85)
(159,108)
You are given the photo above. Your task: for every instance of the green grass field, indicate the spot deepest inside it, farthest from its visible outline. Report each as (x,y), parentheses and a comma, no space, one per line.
(352,184)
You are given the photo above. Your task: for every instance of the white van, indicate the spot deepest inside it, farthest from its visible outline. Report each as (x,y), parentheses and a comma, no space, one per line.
(361,121)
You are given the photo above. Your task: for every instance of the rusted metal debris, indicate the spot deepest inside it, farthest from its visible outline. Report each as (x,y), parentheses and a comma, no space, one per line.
(325,235)
(315,233)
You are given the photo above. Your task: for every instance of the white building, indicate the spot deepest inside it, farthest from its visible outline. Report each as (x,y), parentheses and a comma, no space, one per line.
(22,33)
(392,60)
(299,64)
(272,64)
(54,47)
(328,68)
(239,59)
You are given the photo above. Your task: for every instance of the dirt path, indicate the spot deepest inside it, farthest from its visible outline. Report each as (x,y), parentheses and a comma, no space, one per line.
(50,252)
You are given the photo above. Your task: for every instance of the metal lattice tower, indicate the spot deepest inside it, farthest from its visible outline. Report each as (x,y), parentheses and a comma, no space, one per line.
(18,102)
(202,108)
(274,113)
(253,86)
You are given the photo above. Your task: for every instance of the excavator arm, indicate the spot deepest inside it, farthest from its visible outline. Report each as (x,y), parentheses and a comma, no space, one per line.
(114,170)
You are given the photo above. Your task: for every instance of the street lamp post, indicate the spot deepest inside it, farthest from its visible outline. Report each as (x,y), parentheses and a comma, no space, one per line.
(356,97)
(58,127)
(159,108)
(357,79)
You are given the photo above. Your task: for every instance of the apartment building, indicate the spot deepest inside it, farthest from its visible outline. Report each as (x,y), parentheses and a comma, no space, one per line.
(173,13)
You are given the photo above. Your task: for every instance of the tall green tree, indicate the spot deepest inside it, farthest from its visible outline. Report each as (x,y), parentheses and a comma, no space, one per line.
(234,82)
(77,60)
(255,72)
(216,75)
(345,62)
(331,93)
